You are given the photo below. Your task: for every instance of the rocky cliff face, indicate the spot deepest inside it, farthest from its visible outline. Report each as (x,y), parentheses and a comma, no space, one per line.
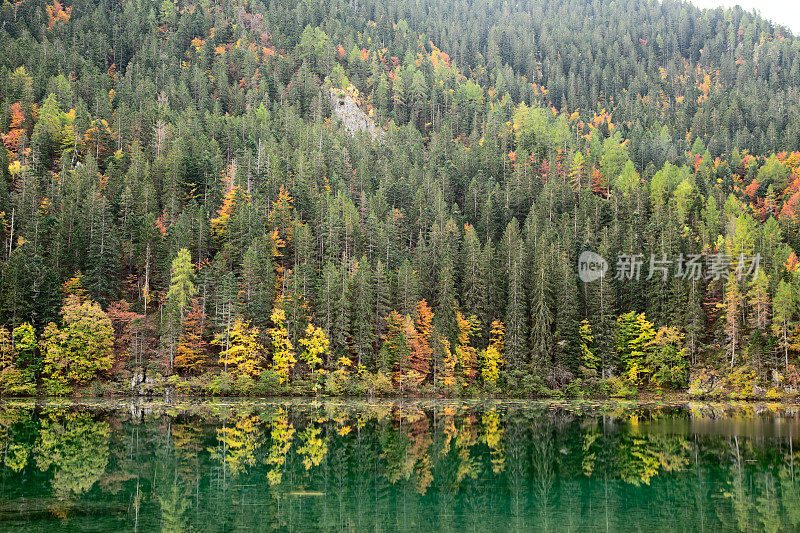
(346,109)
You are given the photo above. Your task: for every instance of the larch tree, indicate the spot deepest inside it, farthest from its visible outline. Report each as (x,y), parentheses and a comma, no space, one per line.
(784,307)
(731,306)
(420,341)
(588,360)
(465,353)
(179,297)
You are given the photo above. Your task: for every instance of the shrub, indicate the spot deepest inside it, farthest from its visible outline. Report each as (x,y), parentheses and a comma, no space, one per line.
(774,394)
(619,387)
(56,387)
(245,385)
(269,383)
(574,389)
(742,383)
(14,382)
(221,384)
(98,389)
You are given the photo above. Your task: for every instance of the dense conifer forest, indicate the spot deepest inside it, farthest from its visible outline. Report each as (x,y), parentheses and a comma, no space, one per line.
(190,202)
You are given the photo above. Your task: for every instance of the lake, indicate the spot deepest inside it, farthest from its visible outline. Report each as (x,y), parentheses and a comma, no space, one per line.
(305,465)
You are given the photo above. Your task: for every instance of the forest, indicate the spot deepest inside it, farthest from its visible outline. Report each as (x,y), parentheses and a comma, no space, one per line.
(189,203)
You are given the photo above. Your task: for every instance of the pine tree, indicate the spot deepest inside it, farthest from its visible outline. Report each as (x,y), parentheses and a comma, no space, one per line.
(446,299)
(258,282)
(473,293)
(407,294)
(361,300)
(328,298)
(541,334)
(567,341)
(101,272)
(382,297)
(395,350)
(516,316)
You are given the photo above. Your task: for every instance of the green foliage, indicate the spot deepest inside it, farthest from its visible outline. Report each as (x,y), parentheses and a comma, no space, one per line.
(479,165)
(634,337)
(181,288)
(666,359)
(80,349)
(588,359)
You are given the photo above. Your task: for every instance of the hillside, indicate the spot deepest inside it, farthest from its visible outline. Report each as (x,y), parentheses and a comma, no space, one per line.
(176,181)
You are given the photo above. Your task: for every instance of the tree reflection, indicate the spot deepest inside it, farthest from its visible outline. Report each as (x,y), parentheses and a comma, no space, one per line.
(399,466)
(74,447)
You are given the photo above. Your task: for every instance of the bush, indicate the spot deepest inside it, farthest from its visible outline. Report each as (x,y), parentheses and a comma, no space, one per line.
(619,387)
(574,389)
(559,377)
(706,383)
(221,384)
(98,389)
(523,383)
(56,387)
(14,382)
(177,384)
(742,384)
(335,382)
(368,384)
(775,394)
(200,385)
(269,383)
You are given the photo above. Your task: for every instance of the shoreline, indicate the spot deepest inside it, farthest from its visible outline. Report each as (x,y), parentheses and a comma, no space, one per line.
(644,398)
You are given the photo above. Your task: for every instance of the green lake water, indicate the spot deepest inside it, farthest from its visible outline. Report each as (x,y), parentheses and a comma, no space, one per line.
(304,465)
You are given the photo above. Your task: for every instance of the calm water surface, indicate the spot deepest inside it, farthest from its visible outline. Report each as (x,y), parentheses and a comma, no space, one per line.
(398,466)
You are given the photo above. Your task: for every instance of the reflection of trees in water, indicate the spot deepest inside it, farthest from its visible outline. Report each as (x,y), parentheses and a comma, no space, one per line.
(281,433)
(410,465)
(75,447)
(175,506)
(238,442)
(543,462)
(516,469)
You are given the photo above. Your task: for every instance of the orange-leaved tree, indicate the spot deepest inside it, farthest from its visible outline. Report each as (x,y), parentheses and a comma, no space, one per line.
(192,347)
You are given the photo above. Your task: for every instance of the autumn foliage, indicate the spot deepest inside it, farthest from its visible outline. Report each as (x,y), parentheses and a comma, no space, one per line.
(57,13)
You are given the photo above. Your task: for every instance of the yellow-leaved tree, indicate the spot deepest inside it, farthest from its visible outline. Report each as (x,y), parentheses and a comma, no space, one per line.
(282,349)
(243,355)
(80,349)
(492,356)
(316,345)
